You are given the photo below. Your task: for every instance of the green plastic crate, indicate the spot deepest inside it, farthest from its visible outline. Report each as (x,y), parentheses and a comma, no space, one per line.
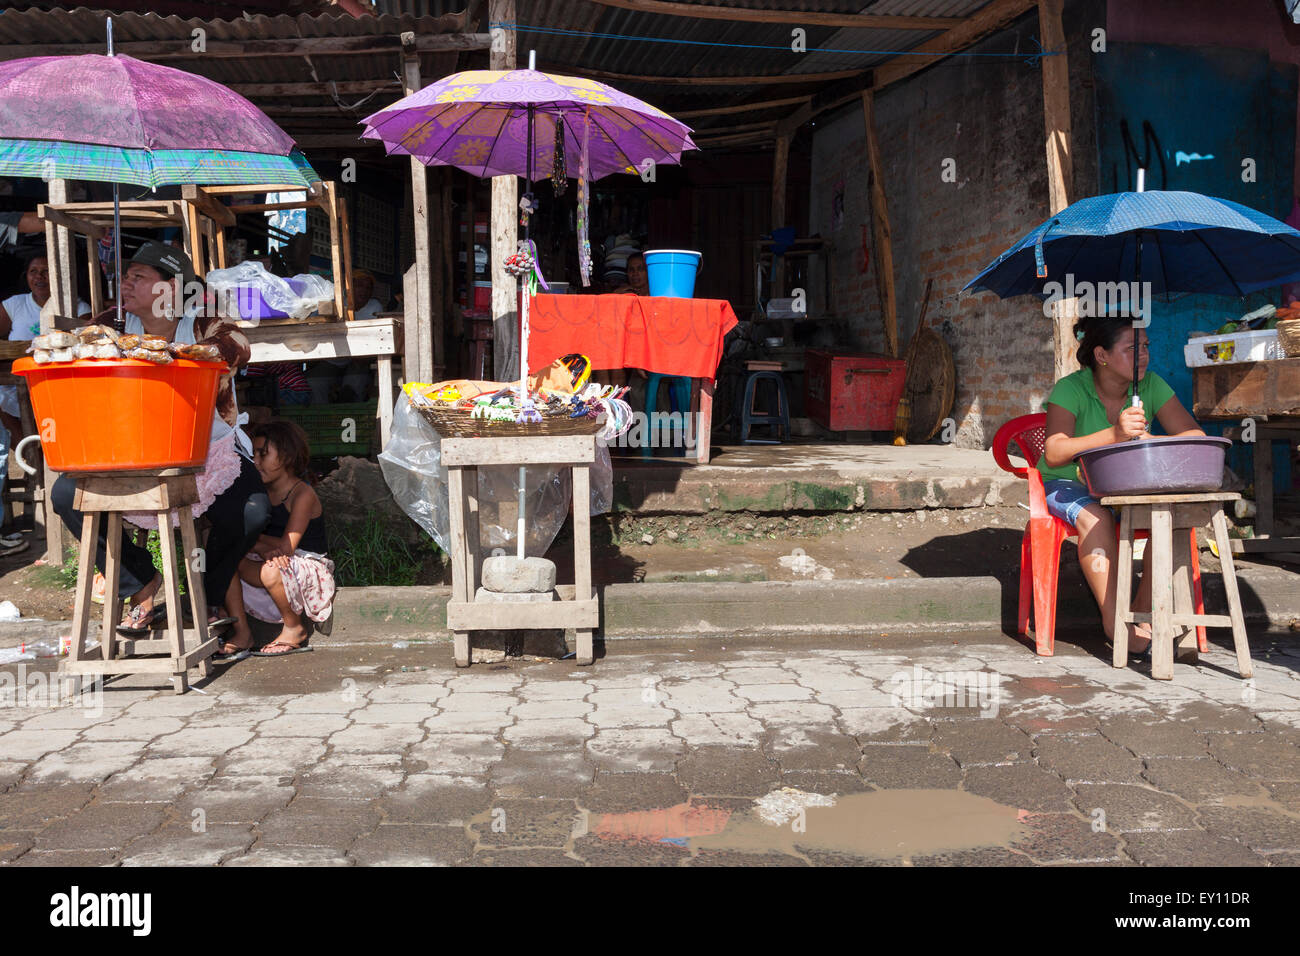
(326,427)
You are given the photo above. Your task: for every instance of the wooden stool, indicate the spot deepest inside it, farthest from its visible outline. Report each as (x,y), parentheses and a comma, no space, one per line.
(577,608)
(1168,563)
(106,496)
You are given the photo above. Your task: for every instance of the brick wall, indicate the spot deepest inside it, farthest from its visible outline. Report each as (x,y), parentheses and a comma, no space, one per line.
(986,115)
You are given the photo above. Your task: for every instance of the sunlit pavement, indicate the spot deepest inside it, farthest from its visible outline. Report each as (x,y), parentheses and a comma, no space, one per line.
(666,754)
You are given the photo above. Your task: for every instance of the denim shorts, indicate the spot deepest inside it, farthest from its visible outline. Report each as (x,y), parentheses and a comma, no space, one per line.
(1066,498)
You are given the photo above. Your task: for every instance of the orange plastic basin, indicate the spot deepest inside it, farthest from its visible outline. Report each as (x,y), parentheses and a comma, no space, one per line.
(122,414)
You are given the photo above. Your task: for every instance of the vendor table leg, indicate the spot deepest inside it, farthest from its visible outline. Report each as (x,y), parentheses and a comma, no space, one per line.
(1185,649)
(1123,588)
(582,556)
(194,581)
(459,555)
(1160,548)
(85,582)
(112,577)
(702,407)
(1239,641)
(171,590)
(385,398)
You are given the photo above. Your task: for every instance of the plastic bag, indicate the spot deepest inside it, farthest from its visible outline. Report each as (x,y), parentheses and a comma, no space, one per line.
(412,465)
(297,298)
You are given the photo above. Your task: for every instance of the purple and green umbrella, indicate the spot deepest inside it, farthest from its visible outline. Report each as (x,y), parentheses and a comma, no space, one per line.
(117,119)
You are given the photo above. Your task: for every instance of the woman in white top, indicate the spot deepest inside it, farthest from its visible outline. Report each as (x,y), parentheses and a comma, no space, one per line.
(20,321)
(231,494)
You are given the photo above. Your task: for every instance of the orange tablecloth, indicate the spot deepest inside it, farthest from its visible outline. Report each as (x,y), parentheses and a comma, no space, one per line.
(668,336)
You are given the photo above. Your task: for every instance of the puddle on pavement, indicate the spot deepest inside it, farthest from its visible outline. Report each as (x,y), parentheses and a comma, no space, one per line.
(883,824)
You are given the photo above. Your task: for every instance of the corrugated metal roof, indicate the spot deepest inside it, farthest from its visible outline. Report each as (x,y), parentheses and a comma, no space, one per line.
(603,39)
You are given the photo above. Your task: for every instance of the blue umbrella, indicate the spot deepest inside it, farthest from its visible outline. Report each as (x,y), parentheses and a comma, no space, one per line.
(1176,241)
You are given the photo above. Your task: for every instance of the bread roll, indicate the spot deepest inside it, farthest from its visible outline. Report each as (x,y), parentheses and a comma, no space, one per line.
(55,340)
(154,343)
(128,341)
(150,355)
(96,335)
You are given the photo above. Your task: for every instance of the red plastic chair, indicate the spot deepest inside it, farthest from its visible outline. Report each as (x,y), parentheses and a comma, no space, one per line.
(1040,548)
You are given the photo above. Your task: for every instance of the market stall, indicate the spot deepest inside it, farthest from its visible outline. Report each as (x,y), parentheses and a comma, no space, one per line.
(670,336)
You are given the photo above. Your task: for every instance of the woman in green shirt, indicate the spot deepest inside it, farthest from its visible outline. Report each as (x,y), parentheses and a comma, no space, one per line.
(1094,407)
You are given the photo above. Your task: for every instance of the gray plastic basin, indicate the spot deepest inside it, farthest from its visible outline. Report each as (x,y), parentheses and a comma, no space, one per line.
(1153,466)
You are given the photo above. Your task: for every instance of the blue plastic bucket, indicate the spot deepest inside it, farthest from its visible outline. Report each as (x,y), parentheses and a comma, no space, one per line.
(672,272)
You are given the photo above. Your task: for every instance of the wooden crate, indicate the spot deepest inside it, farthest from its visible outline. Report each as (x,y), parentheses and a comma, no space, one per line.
(1248,389)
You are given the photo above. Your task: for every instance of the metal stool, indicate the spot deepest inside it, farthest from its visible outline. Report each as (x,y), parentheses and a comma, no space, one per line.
(750,415)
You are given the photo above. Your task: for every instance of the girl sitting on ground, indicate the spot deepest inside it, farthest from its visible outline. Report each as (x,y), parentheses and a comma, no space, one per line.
(1090,408)
(287,574)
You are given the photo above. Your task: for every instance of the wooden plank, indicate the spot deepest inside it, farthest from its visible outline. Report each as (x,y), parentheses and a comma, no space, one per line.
(49,213)
(303,343)
(81,607)
(761,105)
(541,450)
(1229,571)
(473,544)
(769,79)
(92,277)
(345,237)
(1248,390)
(470,616)
(419,314)
(1264,545)
(582,532)
(1123,588)
(874,21)
(134,493)
(112,579)
(193,576)
(780,173)
(156,50)
(1060,168)
(882,237)
(1160,549)
(702,409)
(459,547)
(386,400)
(984,22)
(1184,646)
(1109,500)
(209,206)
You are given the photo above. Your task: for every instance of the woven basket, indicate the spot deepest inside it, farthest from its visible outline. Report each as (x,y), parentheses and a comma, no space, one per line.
(1288,335)
(454,423)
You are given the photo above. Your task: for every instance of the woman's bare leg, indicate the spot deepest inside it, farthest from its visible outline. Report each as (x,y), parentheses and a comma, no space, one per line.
(1097,554)
(293,632)
(242,637)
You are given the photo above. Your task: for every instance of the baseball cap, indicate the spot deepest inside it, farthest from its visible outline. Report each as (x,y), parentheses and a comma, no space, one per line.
(168,260)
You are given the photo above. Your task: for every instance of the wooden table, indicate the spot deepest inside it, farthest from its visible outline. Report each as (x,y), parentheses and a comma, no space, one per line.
(1268,395)
(577,607)
(1173,618)
(312,341)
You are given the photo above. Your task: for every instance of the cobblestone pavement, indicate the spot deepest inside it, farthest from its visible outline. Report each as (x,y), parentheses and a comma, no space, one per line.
(375,755)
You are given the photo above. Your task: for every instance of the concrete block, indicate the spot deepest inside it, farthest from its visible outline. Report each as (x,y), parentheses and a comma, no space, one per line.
(512,575)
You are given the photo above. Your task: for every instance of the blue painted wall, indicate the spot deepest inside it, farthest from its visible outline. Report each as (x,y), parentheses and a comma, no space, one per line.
(1190,116)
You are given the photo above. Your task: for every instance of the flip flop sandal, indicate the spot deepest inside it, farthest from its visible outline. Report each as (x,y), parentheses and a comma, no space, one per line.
(157,613)
(238,654)
(220,622)
(299,649)
(18,548)
(11,539)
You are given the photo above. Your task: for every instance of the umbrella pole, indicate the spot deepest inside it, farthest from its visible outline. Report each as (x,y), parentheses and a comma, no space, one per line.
(1136,327)
(523,335)
(119,322)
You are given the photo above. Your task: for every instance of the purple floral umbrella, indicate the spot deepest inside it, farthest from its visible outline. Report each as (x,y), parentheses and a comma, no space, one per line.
(479,121)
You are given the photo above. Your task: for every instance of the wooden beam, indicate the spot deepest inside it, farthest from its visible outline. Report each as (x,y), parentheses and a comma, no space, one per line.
(261,49)
(768,125)
(883,244)
(313,89)
(778,79)
(418,365)
(217,211)
(336,141)
(49,214)
(757,138)
(742,108)
(447,265)
(986,21)
(741,15)
(780,171)
(504,223)
(1060,168)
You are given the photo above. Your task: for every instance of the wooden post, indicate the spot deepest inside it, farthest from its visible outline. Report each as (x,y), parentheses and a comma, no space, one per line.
(58,242)
(471,270)
(1060,166)
(505,213)
(447,267)
(780,170)
(418,364)
(881,235)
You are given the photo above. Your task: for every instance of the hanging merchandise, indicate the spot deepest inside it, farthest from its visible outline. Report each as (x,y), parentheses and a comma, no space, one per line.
(559,173)
(527,207)
(584,204)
